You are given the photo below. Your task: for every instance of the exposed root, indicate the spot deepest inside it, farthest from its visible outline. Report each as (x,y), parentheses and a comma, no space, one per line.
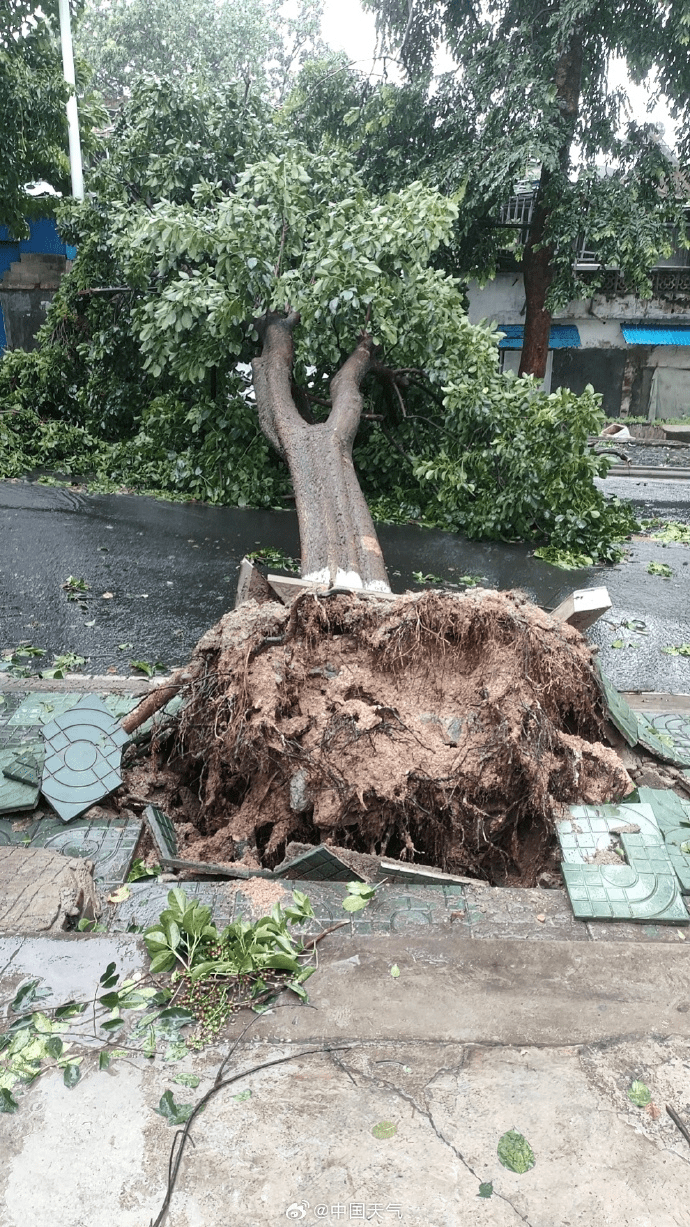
(444,729)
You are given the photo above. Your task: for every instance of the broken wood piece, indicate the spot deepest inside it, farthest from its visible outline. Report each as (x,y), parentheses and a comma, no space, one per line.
(252,585)
(286,588)
(207,869)
(583,607)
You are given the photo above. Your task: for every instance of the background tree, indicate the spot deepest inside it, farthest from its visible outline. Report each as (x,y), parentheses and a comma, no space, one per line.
(33,122)
(531,89)
(217,42)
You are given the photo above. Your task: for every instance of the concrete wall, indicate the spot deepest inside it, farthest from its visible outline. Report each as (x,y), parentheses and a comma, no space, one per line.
(635,380)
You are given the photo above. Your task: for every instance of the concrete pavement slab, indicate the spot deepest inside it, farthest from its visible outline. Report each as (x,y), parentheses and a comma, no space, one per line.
(472,1040)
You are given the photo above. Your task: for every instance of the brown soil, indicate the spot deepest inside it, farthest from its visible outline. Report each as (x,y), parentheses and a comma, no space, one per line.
(443,729)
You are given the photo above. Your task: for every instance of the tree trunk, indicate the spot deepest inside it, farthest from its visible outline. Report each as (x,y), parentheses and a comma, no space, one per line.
(337,535)
(536,264)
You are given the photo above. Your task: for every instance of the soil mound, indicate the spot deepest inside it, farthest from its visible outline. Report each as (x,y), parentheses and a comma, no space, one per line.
(444,729)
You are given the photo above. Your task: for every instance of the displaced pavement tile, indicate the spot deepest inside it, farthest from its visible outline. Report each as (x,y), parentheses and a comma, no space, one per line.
(647,853)
(661,743)
(318,865)
(163,833)
(83,753)
(669,809)
(618,892)
(416,875)
(15,795)
(636,727)
(672,725)
(109,843)
(27,766)
(595,823)
(619,710)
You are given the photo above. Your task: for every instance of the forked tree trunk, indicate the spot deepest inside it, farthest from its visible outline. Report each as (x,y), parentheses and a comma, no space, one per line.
(337,535)
(536,264)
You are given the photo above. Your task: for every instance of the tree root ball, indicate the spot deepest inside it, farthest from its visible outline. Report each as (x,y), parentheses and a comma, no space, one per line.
(448,730)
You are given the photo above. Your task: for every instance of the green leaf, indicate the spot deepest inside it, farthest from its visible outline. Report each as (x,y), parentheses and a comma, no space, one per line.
(242,1097)
(639,1094)
(54,1046)
(109,976)
(485,1190)
(515,1152)
(173,1113)
(7,1102)
(353,903)
(187,1080)
(395,971)
(112,1024)
(384,1129)
(27,995)
(163,961)
(103,1060)
(71,1075)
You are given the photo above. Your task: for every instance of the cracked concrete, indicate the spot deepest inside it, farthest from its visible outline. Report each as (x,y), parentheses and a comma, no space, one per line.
(471,1040)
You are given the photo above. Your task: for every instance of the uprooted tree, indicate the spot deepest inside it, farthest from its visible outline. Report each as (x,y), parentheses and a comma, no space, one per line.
(332,295)
(441,728)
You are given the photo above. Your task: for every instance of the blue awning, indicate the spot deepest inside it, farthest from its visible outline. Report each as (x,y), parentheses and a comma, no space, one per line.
(656,334)
(561,336)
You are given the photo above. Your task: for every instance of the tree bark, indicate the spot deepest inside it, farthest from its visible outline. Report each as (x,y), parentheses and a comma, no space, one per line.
(536,264)
(338,540)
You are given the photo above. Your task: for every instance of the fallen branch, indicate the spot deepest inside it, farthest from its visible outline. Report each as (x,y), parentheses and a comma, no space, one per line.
(176,1151)
(677,1121)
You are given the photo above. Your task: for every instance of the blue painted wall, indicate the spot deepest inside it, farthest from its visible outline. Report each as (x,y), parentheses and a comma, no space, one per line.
(44,238)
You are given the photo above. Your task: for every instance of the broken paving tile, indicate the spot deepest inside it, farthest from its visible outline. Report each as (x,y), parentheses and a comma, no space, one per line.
(619,711)
(619,892)
(27,766)
(417,875)
(637,727)
(109,843)
(163,833)
(15,796)
(669,809)
(320,864)
(589,828)
(660,743)
(672,725)
(647,853)
(83,753)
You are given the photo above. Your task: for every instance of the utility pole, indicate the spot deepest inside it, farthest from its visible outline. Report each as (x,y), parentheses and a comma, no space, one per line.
(72,113)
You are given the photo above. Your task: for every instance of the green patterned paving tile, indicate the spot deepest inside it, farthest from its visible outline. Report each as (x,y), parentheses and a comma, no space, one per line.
(41,707)
(669,809)
(646,853)
(619,710)
(589,829)
(619,892)
(401,910)
(671,725)
(661,743)
(109,843)
(318,865)
(15,796)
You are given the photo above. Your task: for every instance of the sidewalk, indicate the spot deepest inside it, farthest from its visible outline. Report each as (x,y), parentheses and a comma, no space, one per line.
(473,1039)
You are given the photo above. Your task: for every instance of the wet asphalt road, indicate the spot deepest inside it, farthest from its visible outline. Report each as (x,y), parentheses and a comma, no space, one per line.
(172,570)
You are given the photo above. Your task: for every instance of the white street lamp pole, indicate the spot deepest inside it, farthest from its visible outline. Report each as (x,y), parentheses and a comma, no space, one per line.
(72,114)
